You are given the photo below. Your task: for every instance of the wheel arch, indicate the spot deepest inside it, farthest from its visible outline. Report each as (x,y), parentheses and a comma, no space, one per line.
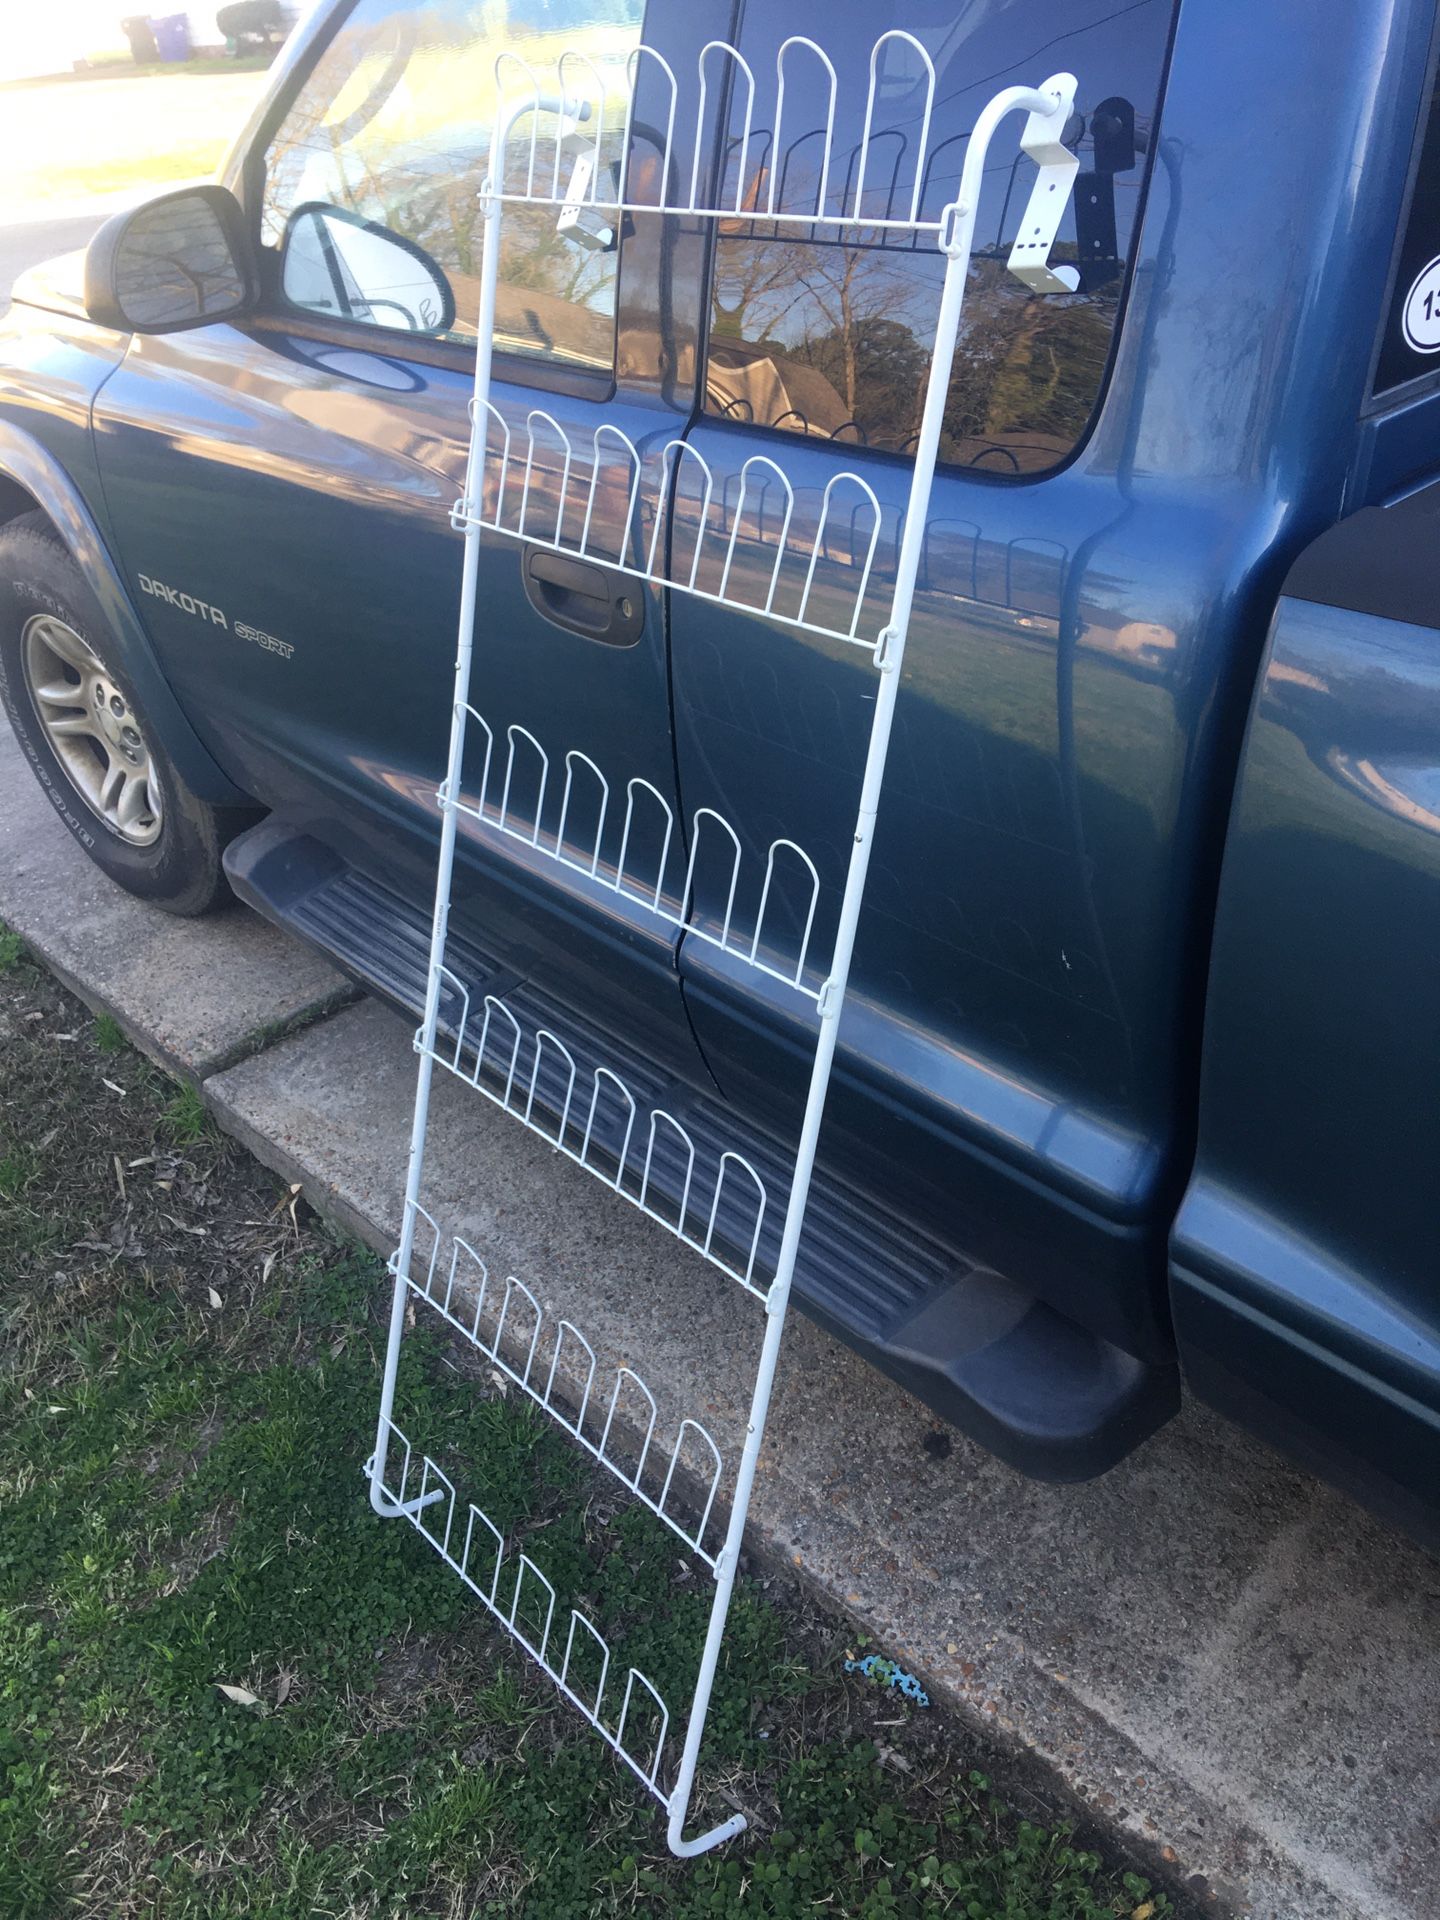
(31,480)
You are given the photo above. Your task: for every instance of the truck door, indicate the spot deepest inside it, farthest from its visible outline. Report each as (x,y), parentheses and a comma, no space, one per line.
(281,493)
(987,1081)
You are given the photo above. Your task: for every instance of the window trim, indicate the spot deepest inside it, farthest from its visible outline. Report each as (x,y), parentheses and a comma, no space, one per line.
(276,315)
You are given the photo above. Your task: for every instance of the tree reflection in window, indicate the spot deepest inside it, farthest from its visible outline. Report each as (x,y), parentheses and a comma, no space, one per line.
(828,332)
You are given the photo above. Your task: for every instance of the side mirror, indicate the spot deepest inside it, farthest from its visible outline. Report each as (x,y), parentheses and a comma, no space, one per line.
(338,263)
(182,260)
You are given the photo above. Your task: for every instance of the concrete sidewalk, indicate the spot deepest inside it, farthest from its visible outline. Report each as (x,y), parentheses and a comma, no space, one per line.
(1223,1661)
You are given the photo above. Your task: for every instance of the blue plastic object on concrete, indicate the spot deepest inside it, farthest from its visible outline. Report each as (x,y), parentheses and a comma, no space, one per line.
(172,36)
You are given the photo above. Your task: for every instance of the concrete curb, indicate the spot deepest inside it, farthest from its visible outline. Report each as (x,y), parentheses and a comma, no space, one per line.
(195,995)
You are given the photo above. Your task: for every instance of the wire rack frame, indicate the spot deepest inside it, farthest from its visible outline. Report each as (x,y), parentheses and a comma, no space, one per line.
(488,1054)
(527,763)
(465,1282)
(885,234)
(437,1490)
(577,92)
(558,513)
(1047,110)
(560,516)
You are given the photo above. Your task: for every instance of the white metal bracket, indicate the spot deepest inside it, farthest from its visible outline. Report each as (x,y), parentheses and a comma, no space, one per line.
(578,219)
(1043,141)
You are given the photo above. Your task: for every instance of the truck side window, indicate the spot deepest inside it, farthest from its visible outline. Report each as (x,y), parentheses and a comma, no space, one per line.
(829,334)
(391,129)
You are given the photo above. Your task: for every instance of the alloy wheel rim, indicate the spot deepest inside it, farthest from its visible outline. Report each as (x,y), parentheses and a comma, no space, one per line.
(87,720)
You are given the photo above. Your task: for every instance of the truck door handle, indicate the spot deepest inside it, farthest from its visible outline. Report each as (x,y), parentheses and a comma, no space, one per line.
(596,602)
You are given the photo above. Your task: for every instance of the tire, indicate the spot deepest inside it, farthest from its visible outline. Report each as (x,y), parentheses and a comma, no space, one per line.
(102,762)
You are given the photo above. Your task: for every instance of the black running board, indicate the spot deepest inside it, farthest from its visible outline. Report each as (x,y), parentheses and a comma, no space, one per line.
(1038,1390)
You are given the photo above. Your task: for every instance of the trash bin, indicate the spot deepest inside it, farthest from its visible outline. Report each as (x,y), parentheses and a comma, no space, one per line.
(249,25)
(172,36)
(138,32)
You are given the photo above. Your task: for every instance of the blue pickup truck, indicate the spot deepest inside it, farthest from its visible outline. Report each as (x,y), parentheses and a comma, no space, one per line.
(1136,1086)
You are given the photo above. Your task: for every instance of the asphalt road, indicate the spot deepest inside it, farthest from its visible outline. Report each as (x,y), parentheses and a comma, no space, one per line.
(26,243)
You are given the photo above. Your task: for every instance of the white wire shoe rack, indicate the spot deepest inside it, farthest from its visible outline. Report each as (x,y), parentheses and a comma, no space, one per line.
(529,482)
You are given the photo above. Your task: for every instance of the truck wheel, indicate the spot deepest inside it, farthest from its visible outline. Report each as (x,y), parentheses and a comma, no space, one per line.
(99,758)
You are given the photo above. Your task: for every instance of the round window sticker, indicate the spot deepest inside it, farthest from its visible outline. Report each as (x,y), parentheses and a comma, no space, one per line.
(1421,319)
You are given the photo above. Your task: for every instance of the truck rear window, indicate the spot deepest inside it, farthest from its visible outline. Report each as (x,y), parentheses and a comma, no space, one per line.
(1410,348)
(830,336)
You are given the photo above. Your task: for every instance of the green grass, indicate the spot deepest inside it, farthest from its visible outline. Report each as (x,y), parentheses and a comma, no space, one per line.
(182,1509)
(109,1034)
(180,160)
(183,1119)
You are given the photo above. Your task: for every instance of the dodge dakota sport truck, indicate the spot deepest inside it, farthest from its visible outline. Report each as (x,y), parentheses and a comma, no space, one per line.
(1136,1089)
